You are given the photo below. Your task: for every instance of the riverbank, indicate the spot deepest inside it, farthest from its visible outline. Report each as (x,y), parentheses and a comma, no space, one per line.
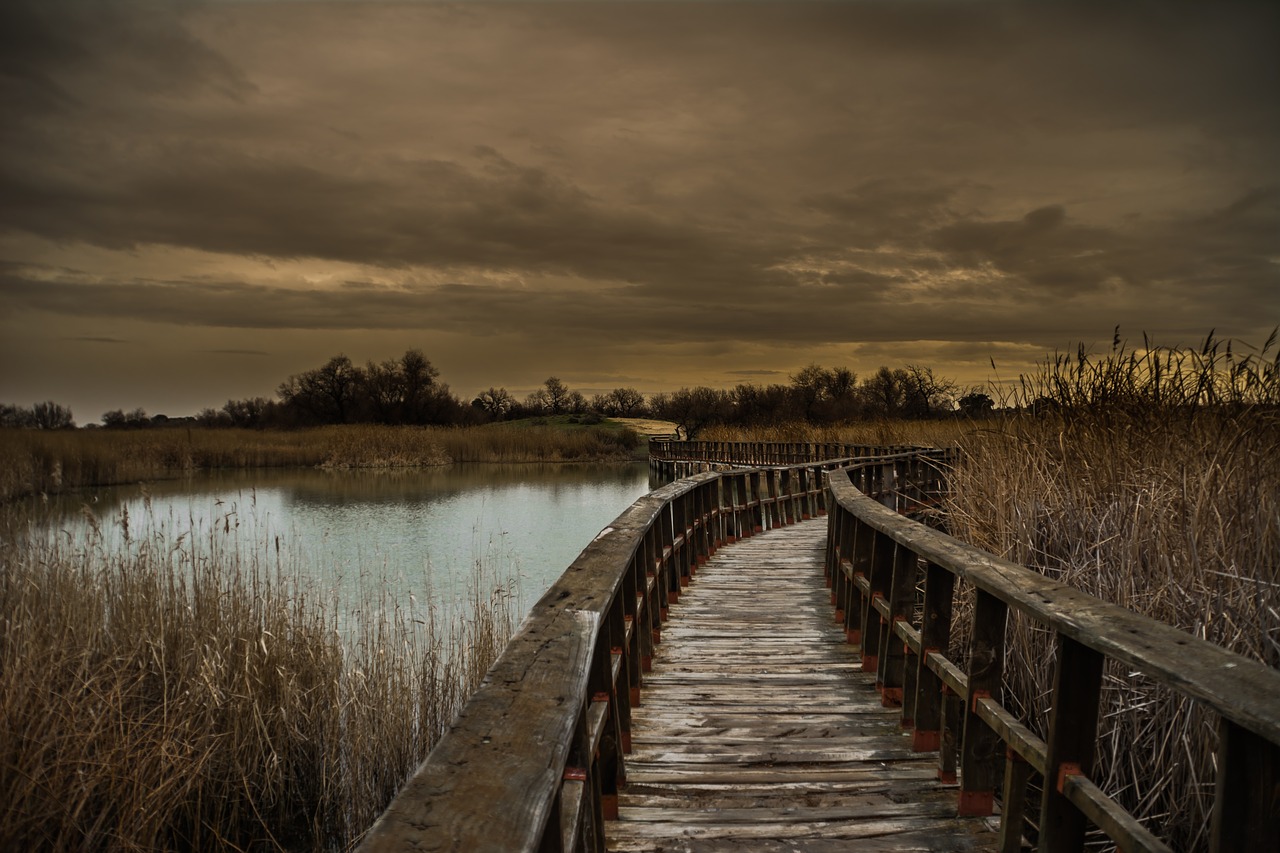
(197,692)
(34,462)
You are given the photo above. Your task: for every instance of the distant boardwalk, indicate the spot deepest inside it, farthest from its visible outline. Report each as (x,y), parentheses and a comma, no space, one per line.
(759,731)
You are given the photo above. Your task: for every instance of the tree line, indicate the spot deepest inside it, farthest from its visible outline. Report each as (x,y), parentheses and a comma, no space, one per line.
(409,391)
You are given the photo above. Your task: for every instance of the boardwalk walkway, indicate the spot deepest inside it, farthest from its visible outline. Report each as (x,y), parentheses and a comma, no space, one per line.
(758,730)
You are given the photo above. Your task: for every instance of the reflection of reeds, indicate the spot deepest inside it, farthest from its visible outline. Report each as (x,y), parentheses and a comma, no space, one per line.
(192,693)
(35,462)
(1148,479)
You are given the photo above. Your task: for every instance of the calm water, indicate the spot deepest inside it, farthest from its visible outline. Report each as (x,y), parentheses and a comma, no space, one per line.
(421,531)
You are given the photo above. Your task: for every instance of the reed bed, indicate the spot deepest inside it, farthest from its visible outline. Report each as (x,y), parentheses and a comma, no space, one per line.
(190,691)
(1149,479)
(883,432)
(36,462)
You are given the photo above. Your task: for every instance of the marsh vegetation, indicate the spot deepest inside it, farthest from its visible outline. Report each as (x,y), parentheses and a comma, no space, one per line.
(195,691)
(1150,479)
(34,462)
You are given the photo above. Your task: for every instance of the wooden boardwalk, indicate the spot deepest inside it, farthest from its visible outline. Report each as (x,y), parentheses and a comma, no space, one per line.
(758,730)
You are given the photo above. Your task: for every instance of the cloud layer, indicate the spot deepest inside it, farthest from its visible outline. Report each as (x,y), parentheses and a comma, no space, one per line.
(699,190)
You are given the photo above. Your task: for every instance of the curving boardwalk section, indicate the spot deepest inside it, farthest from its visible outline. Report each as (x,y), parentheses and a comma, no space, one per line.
(759,731)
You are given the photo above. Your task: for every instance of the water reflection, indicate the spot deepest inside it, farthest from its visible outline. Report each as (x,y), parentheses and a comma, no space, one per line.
(423,530)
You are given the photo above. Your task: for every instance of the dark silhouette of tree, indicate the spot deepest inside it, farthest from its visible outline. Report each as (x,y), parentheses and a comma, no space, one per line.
(120,419)
(554,398)
(16,417)
(46,415)
(883,393)
(327,394)
(695,409)
(825,395)
(925,394)
(620,403)
(976,404)
(50,415)
(404,390)
(497,403)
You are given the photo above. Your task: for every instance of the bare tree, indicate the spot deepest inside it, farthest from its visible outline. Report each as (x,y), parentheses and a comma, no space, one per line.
(621,403)
(695,409)
(496,402)
(558,395)
(327,393)
(925,394)
(16,417)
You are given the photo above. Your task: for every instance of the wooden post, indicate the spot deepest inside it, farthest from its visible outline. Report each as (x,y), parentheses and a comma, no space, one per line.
(1013,805)
(1246,802)
(1073,734)
(879,575)
(757,500)
(981,752)
(948,749)
(606,765)
(935,636)
(901,597)
(861,541)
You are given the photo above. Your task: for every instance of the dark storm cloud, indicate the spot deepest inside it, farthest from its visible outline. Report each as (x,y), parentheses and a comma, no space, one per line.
(89,339)
(766,174)
(496,214)
(46,45)
(882,210)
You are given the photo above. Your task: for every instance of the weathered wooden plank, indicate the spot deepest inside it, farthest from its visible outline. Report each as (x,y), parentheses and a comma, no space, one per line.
(856,808)
(791,829)
(758,730)
(900,841)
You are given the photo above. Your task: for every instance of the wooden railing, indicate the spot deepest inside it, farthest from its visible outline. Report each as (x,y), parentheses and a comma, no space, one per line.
(893,583)
(752,453)
(534,761)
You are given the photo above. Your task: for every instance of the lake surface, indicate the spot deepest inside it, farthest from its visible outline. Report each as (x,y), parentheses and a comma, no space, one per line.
(419,532)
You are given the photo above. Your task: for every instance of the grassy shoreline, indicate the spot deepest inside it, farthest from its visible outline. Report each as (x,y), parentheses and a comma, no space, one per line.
(196,693)
(34,462)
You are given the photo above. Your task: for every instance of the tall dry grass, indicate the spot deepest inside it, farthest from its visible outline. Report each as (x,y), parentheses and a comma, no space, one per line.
(883,432)
(191,692)
(34,461)
(1151,479)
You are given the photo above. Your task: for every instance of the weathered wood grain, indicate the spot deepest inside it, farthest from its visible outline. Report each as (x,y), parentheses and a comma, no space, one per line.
(757,728)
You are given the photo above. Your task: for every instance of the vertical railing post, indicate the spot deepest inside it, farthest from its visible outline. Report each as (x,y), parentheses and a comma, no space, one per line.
(935,636)
(860,540)
(900,596)
(1246,803)
(1013,803)
(879,576)
(981,752)
(626,688)
(639,642)
(757,520)
(606,768)
(1073,734)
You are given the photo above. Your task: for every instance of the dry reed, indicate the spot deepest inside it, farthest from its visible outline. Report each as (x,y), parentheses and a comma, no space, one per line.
(190,692)
(36,462)
(883,432)
(1149,479)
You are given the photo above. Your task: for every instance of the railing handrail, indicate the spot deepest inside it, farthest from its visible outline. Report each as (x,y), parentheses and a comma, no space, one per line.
(536,754)
(756,453)
(881,583)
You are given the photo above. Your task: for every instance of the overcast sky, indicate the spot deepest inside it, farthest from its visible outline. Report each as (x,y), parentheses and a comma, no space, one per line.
(199,199)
